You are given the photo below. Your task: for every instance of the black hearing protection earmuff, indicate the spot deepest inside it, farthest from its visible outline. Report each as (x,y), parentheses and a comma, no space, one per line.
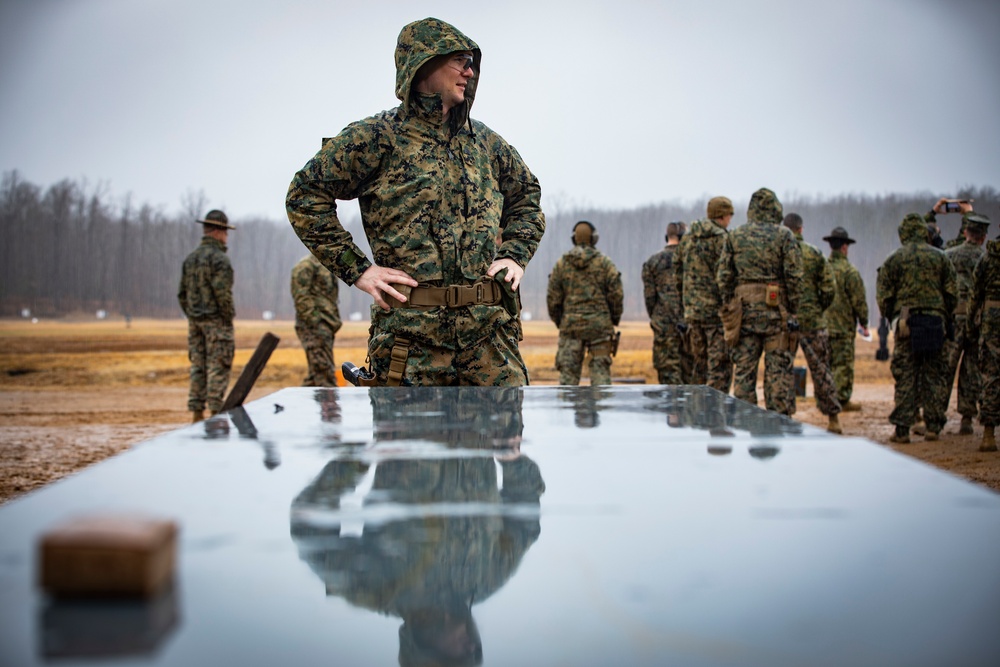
(587,235)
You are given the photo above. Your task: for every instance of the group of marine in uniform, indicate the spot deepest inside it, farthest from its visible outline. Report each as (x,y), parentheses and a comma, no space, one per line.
(452,215)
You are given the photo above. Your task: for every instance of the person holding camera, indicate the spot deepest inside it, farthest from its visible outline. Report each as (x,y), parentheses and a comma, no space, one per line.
(917,284)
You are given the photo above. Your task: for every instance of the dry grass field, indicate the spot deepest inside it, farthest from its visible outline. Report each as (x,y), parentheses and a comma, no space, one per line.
(73,392)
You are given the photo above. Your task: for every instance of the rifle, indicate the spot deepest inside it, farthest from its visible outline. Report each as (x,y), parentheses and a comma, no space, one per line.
(882,354)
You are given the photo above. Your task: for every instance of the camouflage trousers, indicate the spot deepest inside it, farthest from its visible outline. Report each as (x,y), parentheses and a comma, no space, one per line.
(963,357)
(317,342)
(921,381)
(989,367)
(569,362)
(671,360)
(842,365)
(816,349)
(494,361)
(778,377)
(211,345)
(711,361)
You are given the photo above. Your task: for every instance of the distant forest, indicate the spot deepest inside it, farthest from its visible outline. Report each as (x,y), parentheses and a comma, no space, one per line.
(72,249)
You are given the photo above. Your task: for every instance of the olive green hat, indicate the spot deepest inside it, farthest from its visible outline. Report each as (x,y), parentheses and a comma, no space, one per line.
(977,220)
(216,218)
(719,207)
(839,234)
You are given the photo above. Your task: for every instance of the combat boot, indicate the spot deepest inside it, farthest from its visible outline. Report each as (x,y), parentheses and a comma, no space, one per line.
(851,406)
(920,428)
(197,416)
(989,443)
(966,427)
(901,436)
(834,425)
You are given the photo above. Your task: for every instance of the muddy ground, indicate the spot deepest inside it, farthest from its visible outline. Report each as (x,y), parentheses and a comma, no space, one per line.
(72,397)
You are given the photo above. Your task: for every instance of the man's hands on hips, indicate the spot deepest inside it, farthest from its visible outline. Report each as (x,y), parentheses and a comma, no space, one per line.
(379,281)
(514,271)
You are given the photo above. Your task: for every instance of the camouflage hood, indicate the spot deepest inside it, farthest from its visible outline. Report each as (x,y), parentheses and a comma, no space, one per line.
(913,229)
(422,40)
(765,207)
(582,255)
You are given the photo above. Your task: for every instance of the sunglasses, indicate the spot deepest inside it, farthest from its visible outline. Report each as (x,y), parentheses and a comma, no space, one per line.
(461,62)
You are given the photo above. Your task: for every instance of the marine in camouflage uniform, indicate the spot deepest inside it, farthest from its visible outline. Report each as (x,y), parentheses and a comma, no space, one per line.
(671,359)
(761,266)
(848,311)
(984,318)
(317,319)
(917,285)
(206,297)
(696,261)
(585,300)
(436,189)
(818,289)
(963,352)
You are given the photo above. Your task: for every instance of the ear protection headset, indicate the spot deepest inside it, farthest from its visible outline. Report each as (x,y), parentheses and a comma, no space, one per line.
(584,233)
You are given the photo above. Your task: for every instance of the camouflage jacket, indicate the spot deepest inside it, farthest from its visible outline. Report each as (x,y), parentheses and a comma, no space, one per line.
(696,261)
(206,289)
(850,305)
(818,287)
(761,252)
(964,258)
(314,291)
(659,287)
(435,194)
(986,287)
(585,296)
(917,275)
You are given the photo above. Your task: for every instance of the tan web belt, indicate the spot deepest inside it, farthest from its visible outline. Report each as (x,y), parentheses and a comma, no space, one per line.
(484,292)
(753,292)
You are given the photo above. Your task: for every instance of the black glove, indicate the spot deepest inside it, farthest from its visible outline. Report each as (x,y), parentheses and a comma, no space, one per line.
(682,327)
(793,325)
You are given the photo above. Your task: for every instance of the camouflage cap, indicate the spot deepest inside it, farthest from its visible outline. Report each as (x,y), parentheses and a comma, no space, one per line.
(216,218)
(839,234)
(976,219)
(765,207)
(719,207)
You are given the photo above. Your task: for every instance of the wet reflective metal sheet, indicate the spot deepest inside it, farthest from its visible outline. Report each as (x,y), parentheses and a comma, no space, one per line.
(623,525)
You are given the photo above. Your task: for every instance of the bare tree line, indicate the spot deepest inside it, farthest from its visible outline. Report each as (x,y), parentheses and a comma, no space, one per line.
(72,249)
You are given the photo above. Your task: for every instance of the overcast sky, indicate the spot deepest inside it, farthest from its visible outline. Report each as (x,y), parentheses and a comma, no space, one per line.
(611,104)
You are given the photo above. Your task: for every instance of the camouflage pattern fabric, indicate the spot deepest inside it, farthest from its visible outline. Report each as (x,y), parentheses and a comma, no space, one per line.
(206,287)
(848,310)
(815,346)
(671,359)
(763,252)
(435,195)
(211,345)
(585,299)
(205,295)
(919,277)
(317,319)
(963,352)
(696,261)
(984,314)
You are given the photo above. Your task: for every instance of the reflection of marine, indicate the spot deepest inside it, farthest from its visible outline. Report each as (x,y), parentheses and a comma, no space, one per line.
(411,559)
(317,319)
(585,300)
(586,402)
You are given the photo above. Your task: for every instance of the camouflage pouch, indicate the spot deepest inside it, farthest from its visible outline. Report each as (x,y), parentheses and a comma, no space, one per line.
(903,323)
(732,320)
(771,296)
(508,297)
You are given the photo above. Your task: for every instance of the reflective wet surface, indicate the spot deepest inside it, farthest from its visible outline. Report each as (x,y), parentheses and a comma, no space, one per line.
(542,526)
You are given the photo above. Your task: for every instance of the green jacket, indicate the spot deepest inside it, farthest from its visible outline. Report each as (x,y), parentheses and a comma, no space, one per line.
(964,258)
(206,288)
(818,287)
(585,296)
(917,275)
(435,195)
(986,287)
(696,261)
(850,305)
(659,287)
(314,291)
